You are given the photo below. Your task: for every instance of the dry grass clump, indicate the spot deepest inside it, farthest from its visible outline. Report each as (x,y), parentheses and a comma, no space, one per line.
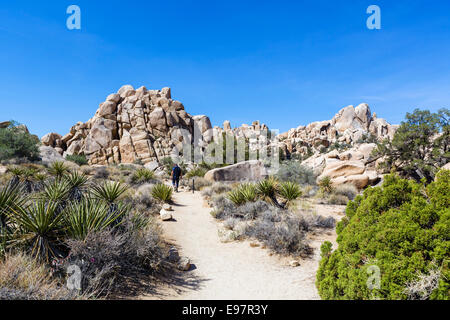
(347,190)
(199,183)
(24,278)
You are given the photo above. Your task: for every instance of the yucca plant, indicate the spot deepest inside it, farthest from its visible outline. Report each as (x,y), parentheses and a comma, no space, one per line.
(11,197)
(109,191)
(268,189)
(28,179)
(249,192)
(39,181)
(162,192)
(39,229)
(325,185)
(236,197)
(16,175)
(289,191)
(245,192)
(142,175)
(91,215)
(56,191)
(58,169)
(77,182)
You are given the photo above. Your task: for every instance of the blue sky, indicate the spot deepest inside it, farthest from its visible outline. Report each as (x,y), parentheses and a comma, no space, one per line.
(285,63)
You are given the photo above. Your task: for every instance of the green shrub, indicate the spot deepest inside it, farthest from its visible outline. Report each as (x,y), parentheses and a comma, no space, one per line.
(142,175)
(294,171)
(325,185)
(197,172)
(403,229)
(16,142)
(79,159)
(162,192)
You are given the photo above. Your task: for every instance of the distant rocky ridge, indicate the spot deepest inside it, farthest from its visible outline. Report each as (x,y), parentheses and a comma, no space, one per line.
(141,125)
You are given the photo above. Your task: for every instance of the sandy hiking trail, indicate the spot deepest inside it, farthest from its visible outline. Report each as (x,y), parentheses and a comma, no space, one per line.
(232,271)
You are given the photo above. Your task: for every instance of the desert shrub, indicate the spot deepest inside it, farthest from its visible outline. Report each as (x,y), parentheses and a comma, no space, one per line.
(216,188)
(16,142)
(162,192)
(197,172)
(325,185)
(294,171)
(142,175)
(318,221)
(199,183)
(24,278)
(101,173)
(347,190)
(280,232)
(402,227)
(113,262)
(79,159)
(309,191)
(338,199)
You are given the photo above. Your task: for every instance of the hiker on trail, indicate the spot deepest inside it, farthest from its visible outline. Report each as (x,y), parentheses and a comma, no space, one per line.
(176,176)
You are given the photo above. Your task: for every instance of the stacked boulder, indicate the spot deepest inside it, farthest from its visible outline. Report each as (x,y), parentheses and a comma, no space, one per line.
(348,126)
(133,126)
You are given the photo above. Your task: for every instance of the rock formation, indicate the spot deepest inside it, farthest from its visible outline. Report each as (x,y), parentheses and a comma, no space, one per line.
(348,126)
(144,126)
(132,126)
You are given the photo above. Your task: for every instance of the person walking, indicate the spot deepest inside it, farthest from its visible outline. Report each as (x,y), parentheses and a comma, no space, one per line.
(176,176)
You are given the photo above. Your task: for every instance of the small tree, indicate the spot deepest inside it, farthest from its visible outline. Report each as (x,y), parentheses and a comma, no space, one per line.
(17,142)
(420,147)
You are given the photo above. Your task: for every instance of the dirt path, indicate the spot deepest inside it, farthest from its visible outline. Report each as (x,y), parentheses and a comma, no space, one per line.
(235,270)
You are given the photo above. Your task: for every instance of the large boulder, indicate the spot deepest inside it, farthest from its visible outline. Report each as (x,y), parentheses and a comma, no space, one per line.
(252,170)
(49,155)
(5,124)
(343,169)
(52,139)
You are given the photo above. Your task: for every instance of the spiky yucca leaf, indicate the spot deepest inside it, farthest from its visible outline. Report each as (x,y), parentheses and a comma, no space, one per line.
(236,197)
(11,197)
(58,169)
(77,182)
(268,189)
(109,192)
(290,191)
(162,192)
(39,229)
(56,191)
(91,215)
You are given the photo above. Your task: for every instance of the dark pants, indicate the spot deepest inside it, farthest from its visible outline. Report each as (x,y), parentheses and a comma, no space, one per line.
(175,181)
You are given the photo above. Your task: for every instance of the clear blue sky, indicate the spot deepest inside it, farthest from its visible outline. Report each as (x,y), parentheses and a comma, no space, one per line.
(285,63)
